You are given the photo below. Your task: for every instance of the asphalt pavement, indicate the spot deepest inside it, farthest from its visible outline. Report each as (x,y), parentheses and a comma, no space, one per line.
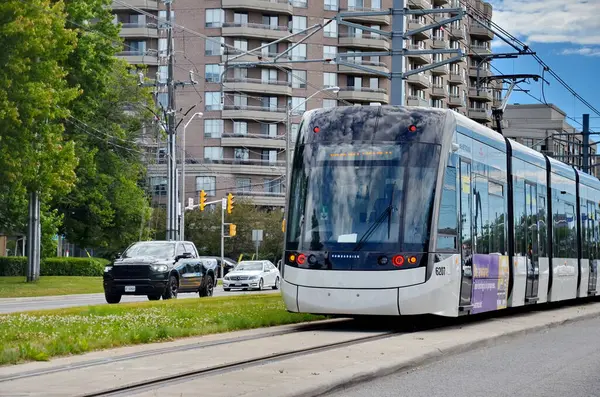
(11,305)
(556,362)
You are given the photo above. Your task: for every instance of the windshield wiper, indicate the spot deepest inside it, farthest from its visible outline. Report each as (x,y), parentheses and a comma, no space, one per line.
(386,212)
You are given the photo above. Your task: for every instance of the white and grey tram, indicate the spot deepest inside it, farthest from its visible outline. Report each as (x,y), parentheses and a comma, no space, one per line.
(402,211)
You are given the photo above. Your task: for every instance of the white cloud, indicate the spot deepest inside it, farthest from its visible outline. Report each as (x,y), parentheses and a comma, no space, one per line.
(550,21)
(586,51)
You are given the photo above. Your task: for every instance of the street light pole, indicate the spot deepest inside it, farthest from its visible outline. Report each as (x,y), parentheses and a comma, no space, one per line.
(182,187)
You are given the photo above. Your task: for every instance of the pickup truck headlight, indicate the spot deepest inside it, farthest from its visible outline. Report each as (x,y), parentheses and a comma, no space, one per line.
(159,268)
(107,269)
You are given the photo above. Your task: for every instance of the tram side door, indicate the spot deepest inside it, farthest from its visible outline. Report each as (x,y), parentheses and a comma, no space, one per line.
(592,242)
(532,243)
(466,197)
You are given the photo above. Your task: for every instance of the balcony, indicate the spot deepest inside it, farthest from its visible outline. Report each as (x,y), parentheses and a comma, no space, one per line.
(416,23)
(441,70)
(418,58)
(253,113)
(269,199)
(480,32)
(364,94)
(365,40)
(146,30)
(438,91)
(252,140)
(143,4)
(421,4)
(139,57)
(439,43)
(419,80)
(457,33)
(379,66)
(376,20)
(254,30)
(456,78)
(441,2)
(485,94)
(480,114)
(455,101)
(258,86)
(282,61)
(479,50)
(266,6)
(413,100)
(457,4)
(482,71)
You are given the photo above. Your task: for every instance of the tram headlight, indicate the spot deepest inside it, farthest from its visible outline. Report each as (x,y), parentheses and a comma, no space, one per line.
(383,260)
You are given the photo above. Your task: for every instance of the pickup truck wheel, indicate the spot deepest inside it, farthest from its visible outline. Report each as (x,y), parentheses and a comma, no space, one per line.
(153,297)
(172,288)
(208,287)
(112,298)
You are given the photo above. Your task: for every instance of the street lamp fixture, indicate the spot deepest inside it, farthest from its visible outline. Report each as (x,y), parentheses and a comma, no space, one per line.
(182,187)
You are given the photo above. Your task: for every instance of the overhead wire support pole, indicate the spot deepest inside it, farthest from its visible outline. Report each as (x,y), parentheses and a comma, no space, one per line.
(171,164)
(586,143)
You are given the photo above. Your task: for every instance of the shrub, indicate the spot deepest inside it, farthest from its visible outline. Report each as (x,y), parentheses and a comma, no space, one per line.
(17,266)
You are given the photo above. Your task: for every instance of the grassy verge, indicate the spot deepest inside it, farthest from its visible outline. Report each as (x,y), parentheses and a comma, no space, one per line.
(17,287)
(41,335)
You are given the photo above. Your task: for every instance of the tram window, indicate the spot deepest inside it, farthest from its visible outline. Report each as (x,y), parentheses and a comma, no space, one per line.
(497,218)
(519,215)
(480,215)
(571,230)
(448,221)
(584,230)
(543,228)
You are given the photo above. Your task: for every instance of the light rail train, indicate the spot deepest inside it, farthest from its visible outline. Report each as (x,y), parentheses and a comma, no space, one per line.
(410,210)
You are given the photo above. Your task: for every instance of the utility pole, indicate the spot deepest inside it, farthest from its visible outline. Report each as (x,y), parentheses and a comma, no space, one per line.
(586,143)
(223,204)
(397,82)
(171,159)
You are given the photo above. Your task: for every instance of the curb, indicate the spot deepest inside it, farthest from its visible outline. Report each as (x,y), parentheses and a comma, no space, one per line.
(347,381)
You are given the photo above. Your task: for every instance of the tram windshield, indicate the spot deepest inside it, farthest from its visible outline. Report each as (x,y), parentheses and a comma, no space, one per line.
(362,197)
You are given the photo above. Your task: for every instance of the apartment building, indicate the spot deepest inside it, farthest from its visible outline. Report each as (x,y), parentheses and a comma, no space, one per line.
(239,145)
(545,129)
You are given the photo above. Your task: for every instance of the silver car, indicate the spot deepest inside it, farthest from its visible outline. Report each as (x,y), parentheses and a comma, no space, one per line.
(252,275)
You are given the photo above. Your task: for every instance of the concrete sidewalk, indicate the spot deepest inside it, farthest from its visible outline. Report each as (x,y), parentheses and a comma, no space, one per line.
(308,375)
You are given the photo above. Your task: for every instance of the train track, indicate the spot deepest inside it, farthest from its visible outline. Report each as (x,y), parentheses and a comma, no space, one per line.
(301,328)
(151,384)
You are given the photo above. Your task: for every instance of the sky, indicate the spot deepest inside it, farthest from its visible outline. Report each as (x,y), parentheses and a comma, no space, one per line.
(566,35)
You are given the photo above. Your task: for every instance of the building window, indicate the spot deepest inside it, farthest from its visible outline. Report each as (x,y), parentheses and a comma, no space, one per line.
(298,78)
(159,185)
(273,186)
(240,19)
(241,154)
(330,30)
(298,23)
(300,3)
(212,46)
(329,79)
(331,5)
(299,52)
(243,185)
(240,128)
(240,100)
(241,44)
(212,100)
(163,74)
(163,99)
(269,155)
(208,184)
(298,105)
(376,4)
(162,47)
(213,153)
(295,129)
(268,129)
(329,103)
(330,52)
(373,83)
(162,16)
(212,73)
(213,128)
(214,18)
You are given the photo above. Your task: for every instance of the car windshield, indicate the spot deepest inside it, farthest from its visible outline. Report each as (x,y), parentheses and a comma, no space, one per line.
(249,266)
(355,197)
(161,250)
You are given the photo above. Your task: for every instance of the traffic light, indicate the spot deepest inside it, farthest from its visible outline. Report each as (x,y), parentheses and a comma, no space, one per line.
(229,203)
(232,230)
(202,200)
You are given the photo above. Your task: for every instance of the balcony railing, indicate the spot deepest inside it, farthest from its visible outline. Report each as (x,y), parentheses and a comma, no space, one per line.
(255,108)
(252,136)
(258,81)
(254,26)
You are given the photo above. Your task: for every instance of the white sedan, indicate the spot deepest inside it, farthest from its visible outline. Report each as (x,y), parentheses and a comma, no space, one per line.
(252,275)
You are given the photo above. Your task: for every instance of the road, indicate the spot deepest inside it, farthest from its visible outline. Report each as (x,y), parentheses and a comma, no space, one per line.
(11,305)
(562,361)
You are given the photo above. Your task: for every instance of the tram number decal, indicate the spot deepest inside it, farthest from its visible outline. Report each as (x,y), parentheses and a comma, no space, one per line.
(440,271)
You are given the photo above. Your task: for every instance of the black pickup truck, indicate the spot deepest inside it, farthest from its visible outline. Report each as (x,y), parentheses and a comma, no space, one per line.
(159,269)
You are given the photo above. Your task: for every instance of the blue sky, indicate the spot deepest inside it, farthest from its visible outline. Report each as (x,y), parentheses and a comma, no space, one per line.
(566,35)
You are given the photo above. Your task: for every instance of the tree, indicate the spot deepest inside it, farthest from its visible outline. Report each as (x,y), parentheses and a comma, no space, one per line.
(108,208)
(34,100)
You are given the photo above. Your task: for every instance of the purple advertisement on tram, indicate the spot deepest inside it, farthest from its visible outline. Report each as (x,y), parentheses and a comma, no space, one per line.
(490,282)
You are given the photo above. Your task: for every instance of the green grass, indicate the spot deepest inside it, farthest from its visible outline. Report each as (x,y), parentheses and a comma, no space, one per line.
(17,287)
(44,334)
